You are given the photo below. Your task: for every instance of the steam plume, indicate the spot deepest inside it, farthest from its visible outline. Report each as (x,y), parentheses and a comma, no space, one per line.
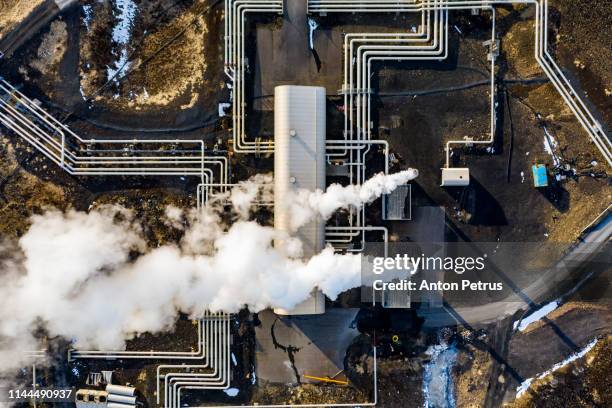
(90,277)
(305,204)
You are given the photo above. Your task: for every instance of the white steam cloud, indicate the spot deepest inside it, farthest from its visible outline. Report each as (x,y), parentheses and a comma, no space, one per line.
(305,205)
(91,278)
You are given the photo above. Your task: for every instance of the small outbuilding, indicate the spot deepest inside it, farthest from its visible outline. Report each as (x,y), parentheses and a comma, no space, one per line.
(540,175)
(455,177)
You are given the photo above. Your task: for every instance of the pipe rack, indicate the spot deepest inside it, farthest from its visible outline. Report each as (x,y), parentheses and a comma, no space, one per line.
(216,364)
(542,55)
(427,45)
(107,157)
(236,66)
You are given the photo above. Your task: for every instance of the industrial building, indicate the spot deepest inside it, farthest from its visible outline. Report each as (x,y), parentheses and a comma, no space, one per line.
(299,163)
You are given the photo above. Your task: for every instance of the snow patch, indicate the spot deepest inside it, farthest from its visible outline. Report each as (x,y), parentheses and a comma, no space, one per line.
(437,379)
(87,15)
(312,25)
(232,392)
(537,315)
(520,390)
(121,35)
(550,145)
(222,107)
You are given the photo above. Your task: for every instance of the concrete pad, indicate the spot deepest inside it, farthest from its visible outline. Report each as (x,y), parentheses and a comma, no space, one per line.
(283,57)
(289,347)
(428,225)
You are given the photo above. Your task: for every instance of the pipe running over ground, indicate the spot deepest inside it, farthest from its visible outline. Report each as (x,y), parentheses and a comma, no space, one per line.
(164,157)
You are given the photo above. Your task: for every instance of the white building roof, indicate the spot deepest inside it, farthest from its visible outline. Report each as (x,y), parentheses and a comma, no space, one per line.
(299,155)
(299,163)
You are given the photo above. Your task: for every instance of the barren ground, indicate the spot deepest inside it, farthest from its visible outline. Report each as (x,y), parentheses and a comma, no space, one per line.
(12,12)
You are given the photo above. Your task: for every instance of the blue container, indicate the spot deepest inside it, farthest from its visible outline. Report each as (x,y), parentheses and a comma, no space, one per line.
(540,175)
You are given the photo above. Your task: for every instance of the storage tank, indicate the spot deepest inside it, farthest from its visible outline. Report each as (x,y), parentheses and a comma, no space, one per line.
(122,399)
(299,163)
(120,390)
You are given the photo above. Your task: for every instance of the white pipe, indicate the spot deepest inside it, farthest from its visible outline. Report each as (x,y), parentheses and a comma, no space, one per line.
(353,404)
(122,354)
